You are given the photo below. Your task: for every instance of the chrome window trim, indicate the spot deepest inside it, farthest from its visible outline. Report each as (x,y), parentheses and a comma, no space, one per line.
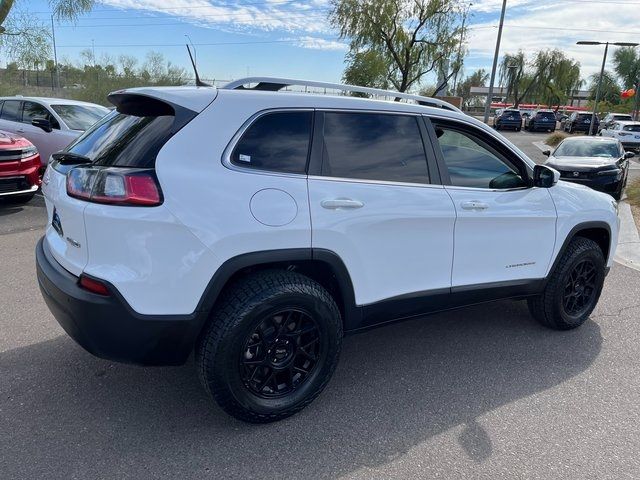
(374,182)
(226,155)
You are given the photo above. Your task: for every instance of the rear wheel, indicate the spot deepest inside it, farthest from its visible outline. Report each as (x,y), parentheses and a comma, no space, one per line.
(574,287)
(271,347)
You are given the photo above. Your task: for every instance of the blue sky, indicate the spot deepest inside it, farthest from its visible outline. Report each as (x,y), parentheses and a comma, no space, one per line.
(292,38)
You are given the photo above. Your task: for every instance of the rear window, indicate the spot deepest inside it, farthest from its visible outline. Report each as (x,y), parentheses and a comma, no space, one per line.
(277,142)
(546,115)
(126,140)
(511,113)
(586,116)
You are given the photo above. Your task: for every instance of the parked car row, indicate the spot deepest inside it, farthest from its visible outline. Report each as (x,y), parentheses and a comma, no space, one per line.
(31,130)
(537,120)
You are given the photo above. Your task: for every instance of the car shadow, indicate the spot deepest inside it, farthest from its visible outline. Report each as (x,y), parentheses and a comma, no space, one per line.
(68,414)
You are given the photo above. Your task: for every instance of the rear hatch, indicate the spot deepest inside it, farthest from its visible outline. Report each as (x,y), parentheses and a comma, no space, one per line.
(112,163)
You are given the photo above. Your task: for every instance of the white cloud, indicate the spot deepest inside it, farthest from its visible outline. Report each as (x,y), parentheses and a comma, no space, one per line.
(558,25)
(315,43)
(272,15)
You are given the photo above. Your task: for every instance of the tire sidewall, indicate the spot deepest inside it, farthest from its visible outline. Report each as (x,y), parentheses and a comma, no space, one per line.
(227,358)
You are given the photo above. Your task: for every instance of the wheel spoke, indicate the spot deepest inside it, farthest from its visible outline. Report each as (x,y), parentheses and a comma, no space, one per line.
(281,353)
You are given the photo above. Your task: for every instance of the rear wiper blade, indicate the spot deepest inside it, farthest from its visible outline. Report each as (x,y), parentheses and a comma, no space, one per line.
(69,158)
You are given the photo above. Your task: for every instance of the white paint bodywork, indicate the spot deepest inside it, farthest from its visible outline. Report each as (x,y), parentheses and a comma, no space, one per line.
(404,239)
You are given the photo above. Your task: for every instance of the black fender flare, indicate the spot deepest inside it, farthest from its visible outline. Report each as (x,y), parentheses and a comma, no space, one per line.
(235,264)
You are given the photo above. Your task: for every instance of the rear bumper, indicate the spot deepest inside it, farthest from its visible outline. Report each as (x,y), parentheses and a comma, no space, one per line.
(536,127)
(509,124)
(107,327)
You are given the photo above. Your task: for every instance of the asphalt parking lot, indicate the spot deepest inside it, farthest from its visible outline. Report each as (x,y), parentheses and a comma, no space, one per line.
(483,392)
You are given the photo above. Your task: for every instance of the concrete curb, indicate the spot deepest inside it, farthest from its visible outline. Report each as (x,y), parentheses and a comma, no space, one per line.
(628,251)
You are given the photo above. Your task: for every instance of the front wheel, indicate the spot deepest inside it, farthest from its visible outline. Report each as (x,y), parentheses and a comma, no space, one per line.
(271,346)
(573,288)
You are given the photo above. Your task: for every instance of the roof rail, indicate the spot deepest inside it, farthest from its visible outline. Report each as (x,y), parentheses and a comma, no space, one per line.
(271,84)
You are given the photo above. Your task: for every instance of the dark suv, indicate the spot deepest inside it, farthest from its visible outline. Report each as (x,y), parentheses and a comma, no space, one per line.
(541,120)
(580,122)
(508,118)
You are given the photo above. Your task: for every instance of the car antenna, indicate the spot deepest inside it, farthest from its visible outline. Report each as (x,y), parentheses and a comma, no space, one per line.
(199,83)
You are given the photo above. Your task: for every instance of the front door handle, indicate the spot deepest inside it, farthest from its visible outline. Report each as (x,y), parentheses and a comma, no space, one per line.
(474,205)
(341,204)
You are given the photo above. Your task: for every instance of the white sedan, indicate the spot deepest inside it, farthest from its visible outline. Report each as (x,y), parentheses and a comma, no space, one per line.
(627,132)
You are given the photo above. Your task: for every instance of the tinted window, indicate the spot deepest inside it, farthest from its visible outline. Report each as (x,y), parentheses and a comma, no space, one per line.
(276,141)
(515,114)
(125,140)
(11,110)
(471,162)
(546,115)
(31,110)
(374,147)
(80,117)
(632,128)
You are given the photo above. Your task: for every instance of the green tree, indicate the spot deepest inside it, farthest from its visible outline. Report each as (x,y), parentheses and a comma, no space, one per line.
(410,38)
(609,90)
(479,78)
(626,61)
(367,68)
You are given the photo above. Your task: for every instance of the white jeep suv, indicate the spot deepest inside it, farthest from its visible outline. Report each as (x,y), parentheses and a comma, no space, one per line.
(258,226)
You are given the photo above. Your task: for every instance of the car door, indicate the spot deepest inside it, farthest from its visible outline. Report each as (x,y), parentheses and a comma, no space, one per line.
(505,229)
(10,115)
(375,203)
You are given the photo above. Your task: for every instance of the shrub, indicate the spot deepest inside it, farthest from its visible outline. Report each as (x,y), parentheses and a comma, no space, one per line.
(555,138)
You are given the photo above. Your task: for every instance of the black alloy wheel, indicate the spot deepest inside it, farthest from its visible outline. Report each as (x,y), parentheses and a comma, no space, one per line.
(280,354)
(580,289)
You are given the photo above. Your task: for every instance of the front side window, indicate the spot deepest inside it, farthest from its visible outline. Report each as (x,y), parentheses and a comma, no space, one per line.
(374,146)
(472,162)
(31,110)
(11,110)
(277,141)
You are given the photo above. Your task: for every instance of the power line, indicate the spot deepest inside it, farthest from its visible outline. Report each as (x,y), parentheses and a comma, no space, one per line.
(293,42)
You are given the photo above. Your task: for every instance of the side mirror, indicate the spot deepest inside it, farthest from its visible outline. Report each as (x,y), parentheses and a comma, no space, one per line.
(546,153)
(545,177)
(629,154)
(42,123)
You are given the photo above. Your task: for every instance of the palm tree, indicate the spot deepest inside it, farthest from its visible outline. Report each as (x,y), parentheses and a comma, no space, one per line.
(626,62)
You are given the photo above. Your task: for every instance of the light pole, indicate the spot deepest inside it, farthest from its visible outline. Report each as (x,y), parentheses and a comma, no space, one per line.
(604,61)
(487,106)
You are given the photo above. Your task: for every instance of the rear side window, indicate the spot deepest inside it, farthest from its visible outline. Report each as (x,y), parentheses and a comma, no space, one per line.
(371,146)
(122,140)
(277,142)
(11,111)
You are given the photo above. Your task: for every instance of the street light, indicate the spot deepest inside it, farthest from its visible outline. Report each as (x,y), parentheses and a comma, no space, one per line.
(604,61)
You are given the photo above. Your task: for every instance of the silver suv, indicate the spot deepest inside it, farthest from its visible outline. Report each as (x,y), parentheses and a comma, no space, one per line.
(49,123)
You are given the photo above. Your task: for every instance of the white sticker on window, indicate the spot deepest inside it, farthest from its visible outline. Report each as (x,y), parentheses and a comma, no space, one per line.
(244,158)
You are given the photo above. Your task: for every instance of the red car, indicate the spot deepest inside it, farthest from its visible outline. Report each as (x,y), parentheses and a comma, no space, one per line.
(19,168)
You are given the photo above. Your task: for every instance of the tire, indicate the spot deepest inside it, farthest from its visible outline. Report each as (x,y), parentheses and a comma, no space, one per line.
(24,198)
(248,313)
(551,308)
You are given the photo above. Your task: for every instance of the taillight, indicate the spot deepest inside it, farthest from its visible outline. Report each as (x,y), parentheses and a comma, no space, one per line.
(115,186)
(94,286)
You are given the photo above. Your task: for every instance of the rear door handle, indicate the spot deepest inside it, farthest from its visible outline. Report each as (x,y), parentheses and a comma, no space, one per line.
(474,205)
(341,204)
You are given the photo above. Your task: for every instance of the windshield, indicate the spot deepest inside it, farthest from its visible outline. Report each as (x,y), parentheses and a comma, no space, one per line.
(622,117)
(631,128)
(80,117)
(587,148)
